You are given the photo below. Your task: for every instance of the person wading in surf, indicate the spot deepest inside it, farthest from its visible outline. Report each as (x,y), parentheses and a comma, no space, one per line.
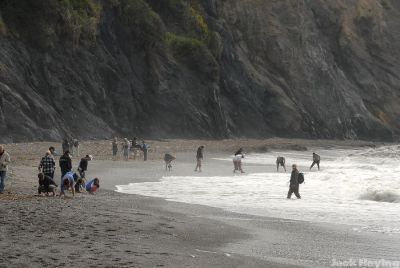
(294,183)
(280,161)
(316,160)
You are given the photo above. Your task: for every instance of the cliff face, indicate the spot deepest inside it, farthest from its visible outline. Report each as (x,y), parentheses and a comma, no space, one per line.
(200,68)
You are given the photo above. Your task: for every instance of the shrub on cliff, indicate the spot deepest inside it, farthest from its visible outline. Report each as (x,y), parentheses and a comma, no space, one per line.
(193,53)
(45,22)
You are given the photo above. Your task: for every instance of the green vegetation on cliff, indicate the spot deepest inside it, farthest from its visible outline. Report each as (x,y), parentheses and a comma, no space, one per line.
(44,22)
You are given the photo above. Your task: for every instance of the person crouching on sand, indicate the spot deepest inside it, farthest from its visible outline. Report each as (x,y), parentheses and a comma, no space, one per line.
(199,158)
(237,161)
(46,184)
(68,182)
(93,185)
(294,183)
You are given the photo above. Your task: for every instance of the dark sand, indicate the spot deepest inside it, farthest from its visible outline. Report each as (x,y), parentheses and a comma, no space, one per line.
(119,230)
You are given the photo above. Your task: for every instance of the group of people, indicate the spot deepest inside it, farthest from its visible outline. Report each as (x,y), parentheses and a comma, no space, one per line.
(75,181)
(130,148)
(296,178)
(71,145)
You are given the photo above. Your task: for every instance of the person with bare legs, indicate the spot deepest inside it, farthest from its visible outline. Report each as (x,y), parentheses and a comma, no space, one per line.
(280,161)
(199,158)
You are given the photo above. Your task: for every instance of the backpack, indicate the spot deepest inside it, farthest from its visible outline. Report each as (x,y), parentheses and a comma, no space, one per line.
(300,178)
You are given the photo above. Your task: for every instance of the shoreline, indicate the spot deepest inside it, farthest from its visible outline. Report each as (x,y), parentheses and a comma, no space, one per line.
(128,230)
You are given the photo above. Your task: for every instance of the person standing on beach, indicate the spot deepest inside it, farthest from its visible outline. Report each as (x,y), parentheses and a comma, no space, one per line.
(65,163)
(65,145)
(83,165)
(115,148)
(237,161)
(75,145)
(280,161)
(125,149)
(5,160)
(199,158)
(145,149)
(294,183)
(316,160)
(47,165)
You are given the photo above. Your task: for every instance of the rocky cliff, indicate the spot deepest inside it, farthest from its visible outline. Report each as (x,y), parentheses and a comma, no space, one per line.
(199,68)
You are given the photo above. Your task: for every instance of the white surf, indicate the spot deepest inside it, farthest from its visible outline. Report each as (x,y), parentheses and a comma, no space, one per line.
(359,187)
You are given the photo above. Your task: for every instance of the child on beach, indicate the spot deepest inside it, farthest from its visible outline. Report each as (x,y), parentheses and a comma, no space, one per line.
(93,185)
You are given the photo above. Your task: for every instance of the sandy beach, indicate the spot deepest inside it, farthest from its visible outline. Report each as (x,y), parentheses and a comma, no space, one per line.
(111,229)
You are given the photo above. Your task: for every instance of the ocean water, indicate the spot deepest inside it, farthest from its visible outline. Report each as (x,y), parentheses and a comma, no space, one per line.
(358,187)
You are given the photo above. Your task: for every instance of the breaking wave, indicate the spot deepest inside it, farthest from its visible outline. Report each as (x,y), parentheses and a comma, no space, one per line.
(381,196)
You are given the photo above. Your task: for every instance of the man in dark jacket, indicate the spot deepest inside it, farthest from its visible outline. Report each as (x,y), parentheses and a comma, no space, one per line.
(294,183)
(65,163)
(46,184)
(65,145)
(316,159)
(83,165)
(280,161)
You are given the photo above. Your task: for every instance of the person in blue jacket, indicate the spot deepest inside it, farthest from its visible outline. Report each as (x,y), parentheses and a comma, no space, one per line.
(92,185)
(68,181)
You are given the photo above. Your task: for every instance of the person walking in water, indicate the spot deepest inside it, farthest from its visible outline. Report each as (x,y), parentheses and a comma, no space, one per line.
(199,158)
(316,159)
(237,161)
(280,161)
(294,183)
(4,162)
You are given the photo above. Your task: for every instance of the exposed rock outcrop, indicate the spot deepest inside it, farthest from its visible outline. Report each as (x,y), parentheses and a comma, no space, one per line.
(205,68)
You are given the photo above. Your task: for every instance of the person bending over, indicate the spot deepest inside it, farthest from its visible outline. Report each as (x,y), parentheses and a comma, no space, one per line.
(168,161)
(46,185)
(280,161)
(316,160)
(68,182)
(93,185)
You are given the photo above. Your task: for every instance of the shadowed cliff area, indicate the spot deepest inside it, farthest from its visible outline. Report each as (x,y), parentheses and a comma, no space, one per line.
(199,68)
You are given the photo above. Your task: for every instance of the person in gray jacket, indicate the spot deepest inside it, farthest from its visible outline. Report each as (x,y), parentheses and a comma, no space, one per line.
(316,160)
(4,162)
(294,183)
(280,161)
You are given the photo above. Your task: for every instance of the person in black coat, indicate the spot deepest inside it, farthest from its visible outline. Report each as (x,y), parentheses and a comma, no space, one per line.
(65,163)
(294,183)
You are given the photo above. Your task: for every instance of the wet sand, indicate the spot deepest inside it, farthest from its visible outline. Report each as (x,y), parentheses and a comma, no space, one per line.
(111,229)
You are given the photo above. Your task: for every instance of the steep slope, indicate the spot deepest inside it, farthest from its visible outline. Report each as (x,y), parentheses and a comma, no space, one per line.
(199,68)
